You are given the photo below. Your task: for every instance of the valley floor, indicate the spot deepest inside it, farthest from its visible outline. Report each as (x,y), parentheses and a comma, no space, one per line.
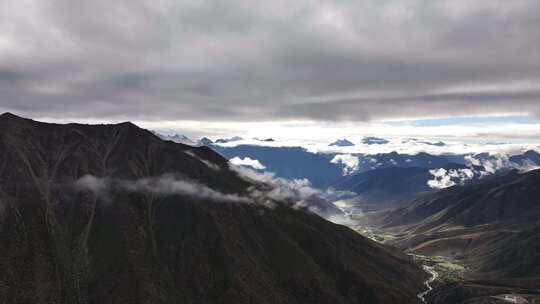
(453,281)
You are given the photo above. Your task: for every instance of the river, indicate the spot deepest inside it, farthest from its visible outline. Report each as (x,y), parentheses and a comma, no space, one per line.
(434,276)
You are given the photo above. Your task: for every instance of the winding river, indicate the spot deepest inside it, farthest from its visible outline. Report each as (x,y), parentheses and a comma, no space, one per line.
(434,276)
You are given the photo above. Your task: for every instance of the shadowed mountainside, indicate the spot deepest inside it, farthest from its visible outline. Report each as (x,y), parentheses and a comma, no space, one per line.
(105,244)
(491,228)
(512,198)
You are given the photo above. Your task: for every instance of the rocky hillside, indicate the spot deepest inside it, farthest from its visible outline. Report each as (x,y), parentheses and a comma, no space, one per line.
(113,214)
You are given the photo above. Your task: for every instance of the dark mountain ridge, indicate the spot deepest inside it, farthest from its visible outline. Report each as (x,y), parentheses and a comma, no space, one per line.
(105,244)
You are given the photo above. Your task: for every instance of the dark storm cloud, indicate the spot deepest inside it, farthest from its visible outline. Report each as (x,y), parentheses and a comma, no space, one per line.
(271,60)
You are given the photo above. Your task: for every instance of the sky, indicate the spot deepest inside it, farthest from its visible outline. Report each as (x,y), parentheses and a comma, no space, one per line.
(457,70)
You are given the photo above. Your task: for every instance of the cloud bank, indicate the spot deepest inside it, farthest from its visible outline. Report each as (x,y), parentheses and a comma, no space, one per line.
(232,60)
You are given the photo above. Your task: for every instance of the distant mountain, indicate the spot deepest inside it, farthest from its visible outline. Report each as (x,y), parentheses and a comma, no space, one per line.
(265,139)
(205,141)
(288,162)
(392,186)
(384,188)
(178,138)
(510,198)
(530,156)
(394,159)
(437,143)
(342,143)
(370,140)
(113,214)
(227,140)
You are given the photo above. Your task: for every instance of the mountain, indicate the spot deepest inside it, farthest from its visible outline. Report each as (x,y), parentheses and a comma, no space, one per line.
(227,140)
(288,162)
(508,199)
(490,225)
(393,186)
(342,143)
(370,140)
(265,139)
(205,141)
(510,255)
(179,138)
(490,229)
(395,159)
(529,156)
(387,187)
(113,214)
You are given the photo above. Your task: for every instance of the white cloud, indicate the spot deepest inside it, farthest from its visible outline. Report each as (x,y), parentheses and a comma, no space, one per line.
(92,183)
(208,163)
(247,162)
(163,185)
(349,161)
(443,178)
(478,168)
(298,192)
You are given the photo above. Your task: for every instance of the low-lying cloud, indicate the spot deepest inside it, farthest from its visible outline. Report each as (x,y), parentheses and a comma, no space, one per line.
(164,185)
(350,162)
(328,204)
(478,168)
(247,162)
(443,178)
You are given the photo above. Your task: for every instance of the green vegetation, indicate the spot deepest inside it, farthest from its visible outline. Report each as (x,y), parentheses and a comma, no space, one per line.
(449,270)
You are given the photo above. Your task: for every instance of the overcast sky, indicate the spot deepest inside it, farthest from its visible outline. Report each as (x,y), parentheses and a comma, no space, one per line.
(213,65)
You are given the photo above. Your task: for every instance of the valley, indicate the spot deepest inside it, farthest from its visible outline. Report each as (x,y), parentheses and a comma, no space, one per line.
(470,258)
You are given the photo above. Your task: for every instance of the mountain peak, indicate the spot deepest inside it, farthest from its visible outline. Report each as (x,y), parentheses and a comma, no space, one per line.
(227,140)
(205,141)
(342,143)
(9,115)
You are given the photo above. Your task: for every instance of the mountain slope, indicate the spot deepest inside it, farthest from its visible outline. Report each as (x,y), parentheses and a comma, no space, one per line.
(512,198)
(511,255)
(110,242)
(486,233)
(384,188)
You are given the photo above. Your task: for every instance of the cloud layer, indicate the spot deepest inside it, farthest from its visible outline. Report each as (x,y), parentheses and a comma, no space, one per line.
(231,60)
(162,185)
